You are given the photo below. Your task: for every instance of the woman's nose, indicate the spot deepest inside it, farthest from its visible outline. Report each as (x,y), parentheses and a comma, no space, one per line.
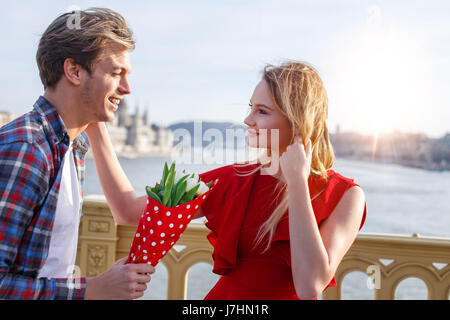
(249,121)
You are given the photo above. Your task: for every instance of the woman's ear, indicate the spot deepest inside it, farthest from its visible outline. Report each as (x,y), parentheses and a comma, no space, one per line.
(72,71)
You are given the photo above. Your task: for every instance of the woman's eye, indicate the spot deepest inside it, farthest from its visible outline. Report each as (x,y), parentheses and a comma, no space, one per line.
(261,111)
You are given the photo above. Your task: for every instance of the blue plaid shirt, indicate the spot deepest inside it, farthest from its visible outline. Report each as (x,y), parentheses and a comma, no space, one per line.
(31,150)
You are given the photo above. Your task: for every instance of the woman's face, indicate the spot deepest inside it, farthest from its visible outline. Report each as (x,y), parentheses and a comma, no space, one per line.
(267,126)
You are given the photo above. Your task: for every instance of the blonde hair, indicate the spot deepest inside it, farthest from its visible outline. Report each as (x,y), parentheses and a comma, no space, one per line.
(60,41)
(299,94)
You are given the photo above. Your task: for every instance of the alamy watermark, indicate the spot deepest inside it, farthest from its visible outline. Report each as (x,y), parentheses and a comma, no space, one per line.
(74,282)
(374,279)
(219,147)
(74,19)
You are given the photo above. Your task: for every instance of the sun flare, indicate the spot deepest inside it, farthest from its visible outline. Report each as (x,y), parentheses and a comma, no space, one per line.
(382,80)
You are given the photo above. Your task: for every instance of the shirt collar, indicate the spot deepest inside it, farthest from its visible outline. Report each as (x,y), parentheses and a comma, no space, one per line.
(56,126)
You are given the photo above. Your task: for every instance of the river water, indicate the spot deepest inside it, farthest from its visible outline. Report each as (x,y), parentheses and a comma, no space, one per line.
(400,200)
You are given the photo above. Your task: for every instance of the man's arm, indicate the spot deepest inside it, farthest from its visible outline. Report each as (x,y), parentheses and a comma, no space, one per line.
(24,184)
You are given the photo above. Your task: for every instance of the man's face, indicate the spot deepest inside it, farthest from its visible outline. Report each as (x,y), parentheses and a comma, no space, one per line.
(107,84)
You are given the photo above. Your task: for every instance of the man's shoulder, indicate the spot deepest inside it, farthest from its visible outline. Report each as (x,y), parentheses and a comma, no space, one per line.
(24,143)
(28,128)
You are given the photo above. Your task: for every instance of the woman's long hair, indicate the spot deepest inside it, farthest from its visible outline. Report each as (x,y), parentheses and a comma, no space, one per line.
(299,94)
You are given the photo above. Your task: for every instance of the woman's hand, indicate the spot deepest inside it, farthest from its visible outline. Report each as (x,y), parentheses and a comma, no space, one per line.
(295,162)
(94,130)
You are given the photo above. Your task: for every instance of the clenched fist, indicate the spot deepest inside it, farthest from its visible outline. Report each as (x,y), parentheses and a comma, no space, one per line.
(295,162)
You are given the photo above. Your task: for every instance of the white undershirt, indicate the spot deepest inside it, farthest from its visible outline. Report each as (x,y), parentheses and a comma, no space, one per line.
(64,239)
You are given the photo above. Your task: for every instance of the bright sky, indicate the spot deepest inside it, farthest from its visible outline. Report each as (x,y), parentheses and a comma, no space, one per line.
(385,64)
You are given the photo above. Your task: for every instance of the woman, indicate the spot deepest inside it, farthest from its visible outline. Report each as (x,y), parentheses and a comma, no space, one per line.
(279,227)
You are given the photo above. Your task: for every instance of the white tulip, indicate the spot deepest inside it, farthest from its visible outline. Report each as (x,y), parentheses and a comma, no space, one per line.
(191,182)
(202,189)
(178,175)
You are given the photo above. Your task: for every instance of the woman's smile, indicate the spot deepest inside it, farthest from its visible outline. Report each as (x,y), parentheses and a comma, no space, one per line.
(252,132)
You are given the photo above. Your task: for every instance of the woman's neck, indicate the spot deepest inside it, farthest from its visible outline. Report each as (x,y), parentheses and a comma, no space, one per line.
(273,169)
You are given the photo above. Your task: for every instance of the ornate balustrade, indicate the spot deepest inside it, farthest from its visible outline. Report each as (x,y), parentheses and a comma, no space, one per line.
(387,259)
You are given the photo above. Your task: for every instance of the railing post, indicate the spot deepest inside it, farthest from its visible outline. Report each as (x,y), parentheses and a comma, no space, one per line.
(97,239)
(388,289)
(177,279)
(332,293)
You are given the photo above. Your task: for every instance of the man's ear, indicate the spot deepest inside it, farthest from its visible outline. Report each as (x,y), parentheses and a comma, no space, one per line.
(72,71)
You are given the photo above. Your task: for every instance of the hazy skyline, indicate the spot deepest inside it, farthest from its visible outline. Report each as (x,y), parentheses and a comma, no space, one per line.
(385,64)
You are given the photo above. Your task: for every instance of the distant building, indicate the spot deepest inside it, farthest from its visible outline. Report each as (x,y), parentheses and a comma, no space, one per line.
(133,135)
(440,152)
(409,149)
(350,144)
(6,117)
(338,129)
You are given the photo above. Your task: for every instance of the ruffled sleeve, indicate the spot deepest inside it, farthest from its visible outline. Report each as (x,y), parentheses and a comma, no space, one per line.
(225,209)
(211,204)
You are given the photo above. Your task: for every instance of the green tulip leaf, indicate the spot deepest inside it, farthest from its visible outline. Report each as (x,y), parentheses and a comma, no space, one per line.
(169,184)
(180,192)
(190,194)
(152,194)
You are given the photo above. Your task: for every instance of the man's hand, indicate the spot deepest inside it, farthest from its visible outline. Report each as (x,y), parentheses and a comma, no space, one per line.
(121,281)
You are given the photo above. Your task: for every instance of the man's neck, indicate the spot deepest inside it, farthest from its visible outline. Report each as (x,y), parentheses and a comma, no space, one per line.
(68,110)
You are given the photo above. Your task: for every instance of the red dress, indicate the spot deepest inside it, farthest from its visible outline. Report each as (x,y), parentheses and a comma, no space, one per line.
(235,211)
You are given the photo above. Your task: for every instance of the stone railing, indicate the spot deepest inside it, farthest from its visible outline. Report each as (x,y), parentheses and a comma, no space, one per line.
(386,259)
(390,259)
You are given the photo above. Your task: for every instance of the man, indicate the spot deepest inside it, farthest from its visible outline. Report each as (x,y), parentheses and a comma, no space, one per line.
(84,69)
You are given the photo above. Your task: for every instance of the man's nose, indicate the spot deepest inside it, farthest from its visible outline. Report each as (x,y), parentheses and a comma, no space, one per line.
(124,85)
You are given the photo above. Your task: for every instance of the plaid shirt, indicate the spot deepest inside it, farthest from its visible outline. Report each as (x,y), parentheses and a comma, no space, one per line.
(32,148)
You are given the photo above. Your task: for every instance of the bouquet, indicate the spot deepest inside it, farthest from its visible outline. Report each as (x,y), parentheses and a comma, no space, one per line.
(171,204)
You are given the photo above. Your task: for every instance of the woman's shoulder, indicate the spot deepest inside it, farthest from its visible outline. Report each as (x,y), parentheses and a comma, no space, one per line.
(337,186)
(329,191)
(344,185)
(338,180)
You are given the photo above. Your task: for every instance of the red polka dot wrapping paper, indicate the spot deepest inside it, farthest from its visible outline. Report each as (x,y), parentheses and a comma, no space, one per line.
(160,228)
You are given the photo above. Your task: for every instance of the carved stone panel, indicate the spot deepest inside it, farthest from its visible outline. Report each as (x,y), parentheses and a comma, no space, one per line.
(97,259)
(99,226)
